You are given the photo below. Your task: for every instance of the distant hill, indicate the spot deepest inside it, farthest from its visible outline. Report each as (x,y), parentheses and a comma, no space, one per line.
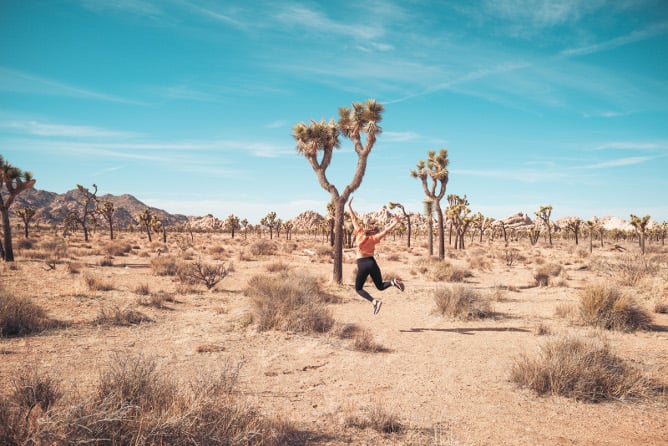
(53,208)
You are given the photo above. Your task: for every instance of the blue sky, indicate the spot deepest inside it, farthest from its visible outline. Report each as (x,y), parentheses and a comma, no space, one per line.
(189,104)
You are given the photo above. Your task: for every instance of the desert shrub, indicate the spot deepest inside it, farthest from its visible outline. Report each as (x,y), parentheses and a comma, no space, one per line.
(25,243)
(629,270)
(363,342)
(73,267)
(165,265)
(290,302)
(117,248)
(461,302)
(582,369)
(142,289)
(106,261)
(606,307)
(442,271)
(377,418)
(32,389)
(278,266)
(262,248)
(94,283)
(120,317)
(545,272)
(205,273)
(20,317)
(156,300)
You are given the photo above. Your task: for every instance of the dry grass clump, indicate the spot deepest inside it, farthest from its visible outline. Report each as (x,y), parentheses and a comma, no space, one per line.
(165,265)
(606,307)
(462,302)
(443,271)
(117,248)
(278,266)
(363,341)
(546,272)
(123,317)
(135,403)
(377,418)
(262,248)
(94,283)
(20,317)
(290,302)
(630,270)
(582,369)
(157,300)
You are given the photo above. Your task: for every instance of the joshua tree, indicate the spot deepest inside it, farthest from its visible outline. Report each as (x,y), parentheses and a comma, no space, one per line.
(26,215)
(86,212)
(640,225)
(458,214)
(544,214)
(323,137)
(407,217)
(270,222)
(12,182)
(288,229)
(429,212)
(232,222)
(244,226)
(436,169)
(107,211)
(573,225)
(148,222)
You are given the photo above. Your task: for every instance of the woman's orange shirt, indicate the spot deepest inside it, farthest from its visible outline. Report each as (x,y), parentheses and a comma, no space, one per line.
(365,244)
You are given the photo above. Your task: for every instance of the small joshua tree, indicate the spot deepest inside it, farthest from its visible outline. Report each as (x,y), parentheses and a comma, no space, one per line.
(573,225)
(640,225)
(232,222)
(148,222)
(107,212)
(85,214)
(458,211)
(270,222)
(436,169)
(26,214)
(406,216)
(322,138)
(544,215)
(12,182)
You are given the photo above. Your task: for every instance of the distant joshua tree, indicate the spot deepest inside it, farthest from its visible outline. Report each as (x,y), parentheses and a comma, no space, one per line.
(406,216)
(270,222)
(573,225)
(244,226)
(544,215)
(85,215)
(429,212)
(232,222)
(457,212)
(12,182)
(288,226)
(26,214)
(640,225)
(148,222)
(322,138)
(107,211)
(436,168)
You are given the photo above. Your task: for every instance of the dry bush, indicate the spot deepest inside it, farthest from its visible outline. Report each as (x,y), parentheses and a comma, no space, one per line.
(263,248)
(123,317)
(480,262)
(440,271)
(278,266)
(393,258)
(377,418)
(582,369)
(73,267)
(142,289)
(566,310)
(94,283)
(363,342)
(542,329)
(165,265)
(462,302)
(205,273)
(156,300)
(543,275)
(20,317)
(106,261)
(630,270)
(117,248)
(290,302)
(606,307)
(25,244)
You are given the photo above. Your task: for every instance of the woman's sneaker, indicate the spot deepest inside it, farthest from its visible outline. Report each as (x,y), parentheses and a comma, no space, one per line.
(397,282)
(376,305)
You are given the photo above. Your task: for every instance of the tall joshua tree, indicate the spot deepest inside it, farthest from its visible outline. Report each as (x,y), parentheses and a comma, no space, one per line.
(26,214)
(317,141)
(573,225)
(232,222)
(12,182)
(436,169)
(408,219)
(148,222)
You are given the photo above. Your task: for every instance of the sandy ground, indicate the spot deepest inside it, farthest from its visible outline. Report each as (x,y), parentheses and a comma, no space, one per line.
(447,380)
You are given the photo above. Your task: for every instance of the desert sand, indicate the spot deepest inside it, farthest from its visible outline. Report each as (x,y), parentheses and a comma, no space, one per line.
(447,380)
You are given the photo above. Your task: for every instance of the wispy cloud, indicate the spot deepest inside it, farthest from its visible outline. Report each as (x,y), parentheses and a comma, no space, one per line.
(61,130)
(635,36)
(20,82)
(621,162)
(633,145)
(317,22)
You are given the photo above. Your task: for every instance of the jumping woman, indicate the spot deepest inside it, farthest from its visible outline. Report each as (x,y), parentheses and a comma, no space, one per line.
(367,236)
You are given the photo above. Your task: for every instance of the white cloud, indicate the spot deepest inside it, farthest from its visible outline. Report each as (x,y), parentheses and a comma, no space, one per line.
(62,130)
(618,162)
(635,36)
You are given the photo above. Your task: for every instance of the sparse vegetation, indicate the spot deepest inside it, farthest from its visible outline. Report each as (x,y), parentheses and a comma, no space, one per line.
(20,317)
(461,302)
(120,317)
(586,370)
(606,307)
(205,273)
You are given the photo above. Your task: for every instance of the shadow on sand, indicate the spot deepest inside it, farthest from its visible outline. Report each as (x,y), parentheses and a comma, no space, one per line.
(466,331)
